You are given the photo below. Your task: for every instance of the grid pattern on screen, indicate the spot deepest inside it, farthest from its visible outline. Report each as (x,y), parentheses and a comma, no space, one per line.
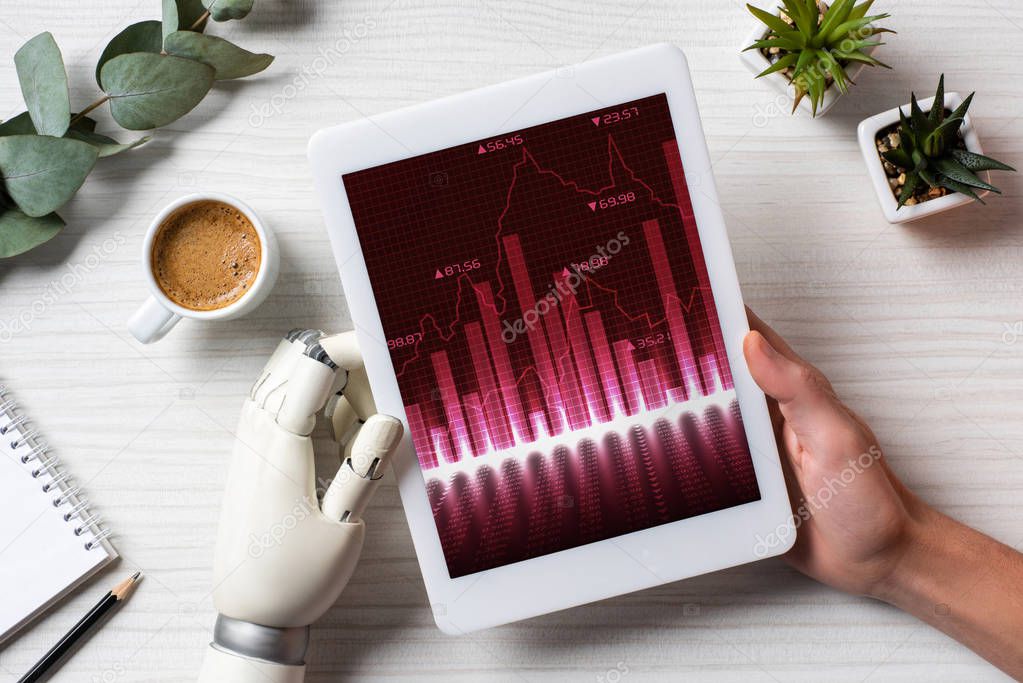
(550,321)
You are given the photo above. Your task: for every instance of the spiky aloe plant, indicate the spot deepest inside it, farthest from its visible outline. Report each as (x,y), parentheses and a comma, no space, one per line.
(931,153)
(818,43)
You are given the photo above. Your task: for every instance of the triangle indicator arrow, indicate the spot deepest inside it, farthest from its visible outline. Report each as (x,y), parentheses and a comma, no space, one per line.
(481,150)
(596,120)
(438,276)
(593,206)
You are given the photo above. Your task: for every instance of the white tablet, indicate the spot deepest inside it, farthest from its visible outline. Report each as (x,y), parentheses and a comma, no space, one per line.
(544,292)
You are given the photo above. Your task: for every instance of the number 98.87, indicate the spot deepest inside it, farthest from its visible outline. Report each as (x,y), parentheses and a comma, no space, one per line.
(402,342)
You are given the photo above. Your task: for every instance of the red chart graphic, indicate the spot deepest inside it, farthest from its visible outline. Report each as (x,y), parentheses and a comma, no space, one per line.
(551,324)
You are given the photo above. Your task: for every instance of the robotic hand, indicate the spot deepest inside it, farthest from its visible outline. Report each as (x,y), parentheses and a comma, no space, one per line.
(282,558)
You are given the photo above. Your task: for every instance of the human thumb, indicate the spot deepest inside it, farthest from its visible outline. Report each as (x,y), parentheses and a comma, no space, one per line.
(806,405)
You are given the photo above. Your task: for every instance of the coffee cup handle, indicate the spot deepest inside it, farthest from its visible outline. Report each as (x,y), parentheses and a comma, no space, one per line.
(152,321)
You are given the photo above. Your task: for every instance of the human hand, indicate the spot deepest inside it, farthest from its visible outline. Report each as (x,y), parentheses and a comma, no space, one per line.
(862,531)
(855,518)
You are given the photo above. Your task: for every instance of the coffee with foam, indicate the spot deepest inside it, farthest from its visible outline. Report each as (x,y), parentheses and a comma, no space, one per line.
(206,255)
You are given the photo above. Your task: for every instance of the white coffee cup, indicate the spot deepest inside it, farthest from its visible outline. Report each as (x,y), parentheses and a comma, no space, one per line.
(159,314)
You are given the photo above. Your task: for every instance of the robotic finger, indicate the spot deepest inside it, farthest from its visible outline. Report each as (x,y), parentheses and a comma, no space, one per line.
(353,402)
(312,379)
(297,381)
(343,349)
(368,452)
(288,349)
(365,459)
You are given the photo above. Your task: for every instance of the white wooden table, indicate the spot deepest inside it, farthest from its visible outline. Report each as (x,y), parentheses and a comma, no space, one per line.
(908,322)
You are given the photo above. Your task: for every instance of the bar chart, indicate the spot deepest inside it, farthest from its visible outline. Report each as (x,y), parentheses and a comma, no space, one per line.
(582,382)
(561,364)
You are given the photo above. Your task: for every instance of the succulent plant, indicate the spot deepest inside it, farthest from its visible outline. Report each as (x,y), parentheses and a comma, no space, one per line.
(931,151)
(817,41)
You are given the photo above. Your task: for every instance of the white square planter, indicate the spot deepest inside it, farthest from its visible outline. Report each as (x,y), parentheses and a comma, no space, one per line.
(756,62)
(867,134)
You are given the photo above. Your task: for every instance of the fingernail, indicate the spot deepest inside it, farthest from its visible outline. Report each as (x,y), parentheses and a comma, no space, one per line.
(766,347)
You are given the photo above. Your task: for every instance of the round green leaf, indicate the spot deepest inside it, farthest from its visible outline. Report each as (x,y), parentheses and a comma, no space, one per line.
(22,125)
(224,10)
(144,36)
(189,12)
(148,91)
(105,146)
(19,125)
(44,84)
(182,15)
(40,173)
(84,129)
(227,59)
(85,123)
(170,22)
(20,233)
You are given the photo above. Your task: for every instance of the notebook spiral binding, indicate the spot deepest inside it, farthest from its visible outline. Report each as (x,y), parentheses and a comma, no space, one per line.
(43,465)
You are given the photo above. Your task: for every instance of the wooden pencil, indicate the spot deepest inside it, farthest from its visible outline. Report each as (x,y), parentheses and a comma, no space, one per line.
(115,597)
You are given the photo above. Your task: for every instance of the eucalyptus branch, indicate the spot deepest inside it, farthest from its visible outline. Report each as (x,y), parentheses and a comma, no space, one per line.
(80,115)
(152,73)
(200,21)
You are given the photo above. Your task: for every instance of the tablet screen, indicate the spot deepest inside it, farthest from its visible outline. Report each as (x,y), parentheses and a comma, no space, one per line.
(550,321)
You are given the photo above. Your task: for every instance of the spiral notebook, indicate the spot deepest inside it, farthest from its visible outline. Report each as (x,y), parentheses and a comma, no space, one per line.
(50,543)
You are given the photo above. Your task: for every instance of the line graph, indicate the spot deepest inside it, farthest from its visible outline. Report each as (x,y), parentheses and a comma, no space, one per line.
(563,373)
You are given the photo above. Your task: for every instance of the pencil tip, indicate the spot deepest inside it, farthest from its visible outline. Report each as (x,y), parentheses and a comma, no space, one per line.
(123,589)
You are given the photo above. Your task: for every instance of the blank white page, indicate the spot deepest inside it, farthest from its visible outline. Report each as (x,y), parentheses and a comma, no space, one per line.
(43,554)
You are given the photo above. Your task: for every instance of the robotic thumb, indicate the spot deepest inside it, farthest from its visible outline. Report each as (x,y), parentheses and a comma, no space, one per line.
(366,456)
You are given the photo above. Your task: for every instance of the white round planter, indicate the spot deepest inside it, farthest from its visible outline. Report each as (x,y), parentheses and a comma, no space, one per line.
(756,62)
(867,134)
